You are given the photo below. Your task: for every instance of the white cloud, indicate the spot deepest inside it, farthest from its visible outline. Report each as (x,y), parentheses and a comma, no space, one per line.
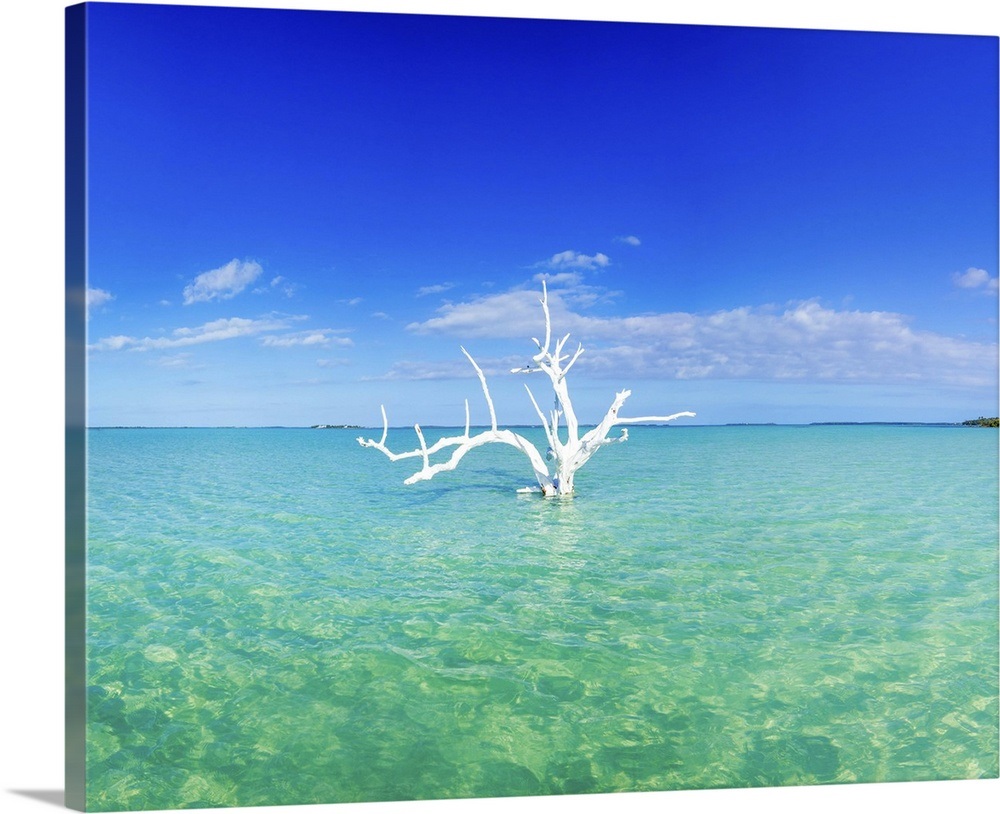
(440,288)
(352,301)
(321,337)
(215,331)
(631,240)
(178,360)
(975,278)
(380,315)
(509,314)
(427,371)
(96,297)
(566,278)
(516,313)
(222,283)
(455,368)
(575,260)
(333,362)
(113,343)
(287,288)
(800,341)
(804,341)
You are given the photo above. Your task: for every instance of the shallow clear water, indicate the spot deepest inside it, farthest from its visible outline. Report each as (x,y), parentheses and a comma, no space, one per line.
(275,618)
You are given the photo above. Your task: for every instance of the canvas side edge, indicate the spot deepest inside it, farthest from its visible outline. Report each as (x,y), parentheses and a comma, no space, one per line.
(75,405)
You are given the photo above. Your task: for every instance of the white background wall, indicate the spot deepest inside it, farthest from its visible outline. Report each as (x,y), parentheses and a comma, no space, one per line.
(31,297)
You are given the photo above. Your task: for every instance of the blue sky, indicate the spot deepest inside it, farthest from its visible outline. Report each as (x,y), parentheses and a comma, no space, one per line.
(298,216)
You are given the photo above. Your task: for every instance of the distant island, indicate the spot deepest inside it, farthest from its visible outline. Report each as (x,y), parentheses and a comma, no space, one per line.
(982,422)
(884,424)
(336,427)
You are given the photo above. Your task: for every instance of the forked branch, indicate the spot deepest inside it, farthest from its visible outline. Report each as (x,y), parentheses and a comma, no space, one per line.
(568,455)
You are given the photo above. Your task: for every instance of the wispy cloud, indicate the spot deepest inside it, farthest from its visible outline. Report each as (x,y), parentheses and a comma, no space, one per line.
(222,283)
(565,278)
(977,279)
(177,360)
(117,342)
(630,240)
(352,301)
(431,371)
(574,260)
(510,314)
(96,297)
(455,368)
(215,331)
(516,313)
(802,340)
(322,337)
(440,288)
(280,284)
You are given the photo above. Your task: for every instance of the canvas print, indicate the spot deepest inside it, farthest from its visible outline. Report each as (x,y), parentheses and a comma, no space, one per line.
(481,407)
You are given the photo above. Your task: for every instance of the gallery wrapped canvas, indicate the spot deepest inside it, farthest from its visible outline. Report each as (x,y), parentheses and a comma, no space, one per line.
(756,269)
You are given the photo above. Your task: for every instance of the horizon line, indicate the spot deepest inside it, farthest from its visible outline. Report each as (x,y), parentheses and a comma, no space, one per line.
(967,422)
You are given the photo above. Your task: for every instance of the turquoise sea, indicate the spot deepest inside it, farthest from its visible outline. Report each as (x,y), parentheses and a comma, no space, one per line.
(273,617)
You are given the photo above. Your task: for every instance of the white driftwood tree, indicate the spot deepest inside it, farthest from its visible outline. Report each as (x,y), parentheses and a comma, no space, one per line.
(567,452)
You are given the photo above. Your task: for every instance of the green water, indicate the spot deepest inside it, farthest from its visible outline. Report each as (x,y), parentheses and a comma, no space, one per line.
(274,618)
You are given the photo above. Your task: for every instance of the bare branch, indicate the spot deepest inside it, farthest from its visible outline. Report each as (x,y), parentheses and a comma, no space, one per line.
(440,444)
(562,394)
(559,346)
(572,361)
(545,424)
(592,440)
(568,456)
(423,445)
(543,350)
(486,390)
(465,445)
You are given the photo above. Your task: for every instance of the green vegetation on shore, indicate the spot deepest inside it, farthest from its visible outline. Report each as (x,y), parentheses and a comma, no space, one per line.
(982,422)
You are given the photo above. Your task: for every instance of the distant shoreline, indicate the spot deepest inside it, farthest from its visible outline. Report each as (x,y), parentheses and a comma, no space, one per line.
(980,422)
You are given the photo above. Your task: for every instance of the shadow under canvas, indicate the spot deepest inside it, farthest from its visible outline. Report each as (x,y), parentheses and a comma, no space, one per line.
(56,797)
